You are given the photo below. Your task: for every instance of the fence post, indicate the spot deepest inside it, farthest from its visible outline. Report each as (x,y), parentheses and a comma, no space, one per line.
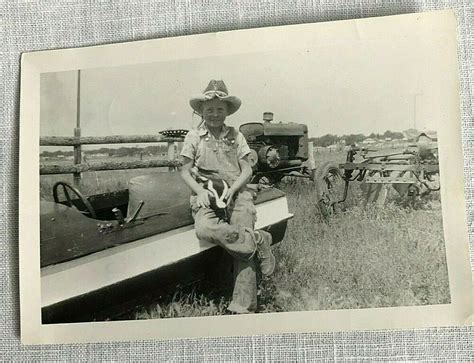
(77,156)
(77,130)
(171,154)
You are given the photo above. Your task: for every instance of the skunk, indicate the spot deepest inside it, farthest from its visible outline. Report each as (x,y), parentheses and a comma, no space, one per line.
(218,188)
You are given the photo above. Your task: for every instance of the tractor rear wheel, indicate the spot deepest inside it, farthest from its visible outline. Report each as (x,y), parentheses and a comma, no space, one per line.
(330,184)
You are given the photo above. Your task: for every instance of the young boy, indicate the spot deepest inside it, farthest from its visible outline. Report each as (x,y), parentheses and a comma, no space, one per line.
(218,151)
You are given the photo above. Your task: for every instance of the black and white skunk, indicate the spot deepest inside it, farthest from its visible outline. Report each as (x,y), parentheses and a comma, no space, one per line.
(217,187)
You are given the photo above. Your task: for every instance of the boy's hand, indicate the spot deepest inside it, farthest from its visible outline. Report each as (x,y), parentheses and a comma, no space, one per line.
(202,199)
(229,195)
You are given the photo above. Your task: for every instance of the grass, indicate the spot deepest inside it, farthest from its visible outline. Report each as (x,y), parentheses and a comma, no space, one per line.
(183,304)
(362,257)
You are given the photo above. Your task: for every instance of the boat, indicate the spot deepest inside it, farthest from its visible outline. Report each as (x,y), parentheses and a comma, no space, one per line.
(104,254)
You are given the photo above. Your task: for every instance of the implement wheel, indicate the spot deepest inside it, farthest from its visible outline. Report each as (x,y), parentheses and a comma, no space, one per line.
(330,187)
(270,179)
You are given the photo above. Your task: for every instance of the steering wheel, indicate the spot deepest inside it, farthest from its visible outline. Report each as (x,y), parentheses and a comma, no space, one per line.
(88,206)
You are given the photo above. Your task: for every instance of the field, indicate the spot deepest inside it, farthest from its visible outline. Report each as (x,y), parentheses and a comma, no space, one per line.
(364,257)
(361,257)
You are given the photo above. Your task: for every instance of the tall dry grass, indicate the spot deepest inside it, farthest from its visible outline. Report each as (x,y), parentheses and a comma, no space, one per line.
(183,304)
(361,258)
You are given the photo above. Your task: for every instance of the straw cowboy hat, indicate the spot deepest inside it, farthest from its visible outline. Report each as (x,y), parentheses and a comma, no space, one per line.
(215,89)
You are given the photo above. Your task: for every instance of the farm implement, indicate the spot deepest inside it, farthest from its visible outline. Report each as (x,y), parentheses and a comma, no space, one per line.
(413,172)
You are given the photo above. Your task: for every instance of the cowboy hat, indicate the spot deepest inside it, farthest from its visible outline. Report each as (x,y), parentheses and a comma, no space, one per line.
(215,89)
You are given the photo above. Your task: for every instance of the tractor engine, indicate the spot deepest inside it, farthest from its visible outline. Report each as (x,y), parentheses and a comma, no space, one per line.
(276,145)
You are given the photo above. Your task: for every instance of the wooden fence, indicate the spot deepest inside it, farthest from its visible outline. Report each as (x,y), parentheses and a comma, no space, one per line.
(79,166)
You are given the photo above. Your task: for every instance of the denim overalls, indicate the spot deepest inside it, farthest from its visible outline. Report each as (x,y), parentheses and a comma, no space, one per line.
(220,158)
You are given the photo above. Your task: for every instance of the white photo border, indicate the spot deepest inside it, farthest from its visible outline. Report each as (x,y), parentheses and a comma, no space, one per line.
(439,28)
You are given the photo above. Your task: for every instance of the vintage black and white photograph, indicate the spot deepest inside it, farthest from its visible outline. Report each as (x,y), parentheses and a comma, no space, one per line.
(302,178)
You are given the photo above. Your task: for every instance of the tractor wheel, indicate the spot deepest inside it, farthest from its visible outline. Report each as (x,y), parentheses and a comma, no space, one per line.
(329,187)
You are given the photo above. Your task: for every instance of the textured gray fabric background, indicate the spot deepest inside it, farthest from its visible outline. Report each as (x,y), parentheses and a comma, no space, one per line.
(28,26)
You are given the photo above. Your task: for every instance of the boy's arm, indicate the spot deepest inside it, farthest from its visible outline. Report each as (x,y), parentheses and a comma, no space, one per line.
(202,199)
(243,178)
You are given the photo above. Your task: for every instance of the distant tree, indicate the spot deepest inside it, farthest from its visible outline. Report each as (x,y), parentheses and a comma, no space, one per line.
(156,149)
(330,139)
(392,135)
(102,150)
(354,138)
(56,153)
(326,140)
(121,151)
(374,136)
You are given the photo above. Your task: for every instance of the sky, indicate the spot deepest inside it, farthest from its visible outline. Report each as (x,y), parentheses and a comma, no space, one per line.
(348,87)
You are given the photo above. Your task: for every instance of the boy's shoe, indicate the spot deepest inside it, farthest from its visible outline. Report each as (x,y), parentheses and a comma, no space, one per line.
(264,252)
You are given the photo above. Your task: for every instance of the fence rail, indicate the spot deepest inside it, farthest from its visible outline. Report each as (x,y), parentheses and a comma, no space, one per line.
(97,140)
(106,165)
(78,167)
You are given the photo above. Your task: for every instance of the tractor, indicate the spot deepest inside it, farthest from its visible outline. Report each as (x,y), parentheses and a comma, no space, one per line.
(281,150)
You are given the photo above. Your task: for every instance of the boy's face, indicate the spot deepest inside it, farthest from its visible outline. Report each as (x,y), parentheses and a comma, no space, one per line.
(214,112)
